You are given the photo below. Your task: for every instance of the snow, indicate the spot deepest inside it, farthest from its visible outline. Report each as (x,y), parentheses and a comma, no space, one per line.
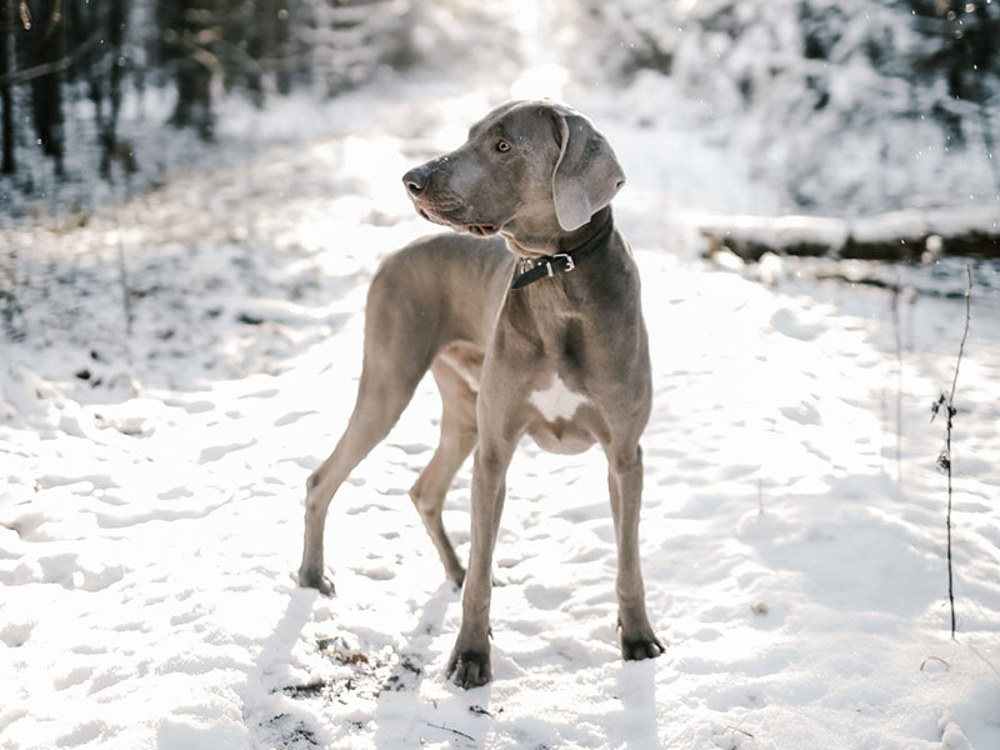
(793,534)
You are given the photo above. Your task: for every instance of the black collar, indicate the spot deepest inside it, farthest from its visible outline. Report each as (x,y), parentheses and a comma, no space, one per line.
(550,265)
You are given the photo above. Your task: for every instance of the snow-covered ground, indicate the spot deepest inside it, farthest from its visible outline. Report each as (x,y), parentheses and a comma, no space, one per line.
(153,456)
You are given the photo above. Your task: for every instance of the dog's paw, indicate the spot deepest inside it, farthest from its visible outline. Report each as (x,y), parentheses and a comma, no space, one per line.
(469,669)
(457,577)
(636,649)
(315,579)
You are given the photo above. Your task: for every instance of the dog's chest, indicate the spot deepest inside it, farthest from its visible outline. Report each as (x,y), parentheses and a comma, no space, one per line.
(557,401)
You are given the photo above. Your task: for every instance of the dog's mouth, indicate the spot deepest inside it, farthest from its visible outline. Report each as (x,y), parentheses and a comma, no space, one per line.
(482,230)
(479,229)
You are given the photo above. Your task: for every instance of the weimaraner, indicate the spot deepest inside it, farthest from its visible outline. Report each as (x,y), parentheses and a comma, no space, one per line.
(537,333)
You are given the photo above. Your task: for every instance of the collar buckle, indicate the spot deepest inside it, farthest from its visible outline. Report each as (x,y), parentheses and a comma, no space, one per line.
(570,265)
(533,269)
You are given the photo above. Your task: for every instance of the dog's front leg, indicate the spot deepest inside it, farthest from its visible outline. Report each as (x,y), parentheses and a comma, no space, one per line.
(469,665)
(638,641)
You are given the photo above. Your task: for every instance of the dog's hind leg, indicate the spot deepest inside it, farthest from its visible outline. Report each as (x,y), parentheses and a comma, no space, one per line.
(456,370)
(375,413)
(399,347)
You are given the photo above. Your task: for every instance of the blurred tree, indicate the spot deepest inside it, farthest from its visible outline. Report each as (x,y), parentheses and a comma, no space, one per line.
(6,95)
(188,33)
(275,44)
(106,81)
(60,51)
(959,44)
(349,40)
(43,32)
(95,33)
(971,48)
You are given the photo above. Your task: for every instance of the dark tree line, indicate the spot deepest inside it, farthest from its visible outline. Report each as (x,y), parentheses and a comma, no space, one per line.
(239,42)
(48,44)
(57,52)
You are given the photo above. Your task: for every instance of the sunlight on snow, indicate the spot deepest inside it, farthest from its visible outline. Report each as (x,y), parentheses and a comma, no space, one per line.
(541,82)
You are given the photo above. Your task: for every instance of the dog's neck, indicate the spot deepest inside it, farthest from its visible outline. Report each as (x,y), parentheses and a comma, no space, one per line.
(528,245)
(571,250)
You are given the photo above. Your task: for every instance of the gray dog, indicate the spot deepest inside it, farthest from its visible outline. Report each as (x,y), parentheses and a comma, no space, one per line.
(537,333)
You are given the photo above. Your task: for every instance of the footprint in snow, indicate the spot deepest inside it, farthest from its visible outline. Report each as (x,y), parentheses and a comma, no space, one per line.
(293,417)
(804,413)
(216,453)
(412,449)
(266,393)
(84,734)
(88,482)
(589,555)
(358,510)
(73,677)
(546,597)
(198,407)
(784,321)
(175,493)
(70,572)
(375,574)
(16,634)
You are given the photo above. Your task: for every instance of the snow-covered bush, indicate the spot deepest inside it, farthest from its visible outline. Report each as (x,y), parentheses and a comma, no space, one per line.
(348,42)
(852,105)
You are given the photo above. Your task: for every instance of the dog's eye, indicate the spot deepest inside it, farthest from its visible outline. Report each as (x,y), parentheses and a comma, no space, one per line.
(503,146)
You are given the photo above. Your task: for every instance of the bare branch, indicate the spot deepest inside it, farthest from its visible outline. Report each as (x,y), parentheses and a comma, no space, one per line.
(17,77)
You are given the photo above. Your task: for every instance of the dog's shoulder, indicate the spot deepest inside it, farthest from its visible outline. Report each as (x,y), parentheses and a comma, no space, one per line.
(452,243)
(451,255)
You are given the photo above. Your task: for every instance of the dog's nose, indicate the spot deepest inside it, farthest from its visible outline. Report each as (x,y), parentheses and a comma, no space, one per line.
(416,179)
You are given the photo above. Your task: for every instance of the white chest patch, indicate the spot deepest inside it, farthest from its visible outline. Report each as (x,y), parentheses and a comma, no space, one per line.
(557,401)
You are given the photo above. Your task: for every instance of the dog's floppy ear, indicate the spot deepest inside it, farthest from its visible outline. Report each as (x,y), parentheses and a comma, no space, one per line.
(587,174)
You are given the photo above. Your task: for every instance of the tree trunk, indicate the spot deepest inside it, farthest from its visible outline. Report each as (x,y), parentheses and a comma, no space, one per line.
(45,48)
(276,43)
(194,74)
(115,26)
(6,95)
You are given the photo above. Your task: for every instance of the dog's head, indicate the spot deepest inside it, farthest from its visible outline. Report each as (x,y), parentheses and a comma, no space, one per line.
(532,170)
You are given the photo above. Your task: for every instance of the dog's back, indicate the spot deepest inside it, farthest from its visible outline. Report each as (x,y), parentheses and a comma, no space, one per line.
(452,284)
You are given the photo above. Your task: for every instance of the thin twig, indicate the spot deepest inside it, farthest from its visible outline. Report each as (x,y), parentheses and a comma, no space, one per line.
(965,333)
(937,659)
(453,731)
(123,279)
(944,460)
(896,294)
(741,731)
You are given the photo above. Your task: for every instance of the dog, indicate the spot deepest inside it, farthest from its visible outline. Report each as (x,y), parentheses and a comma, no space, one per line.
(528,316)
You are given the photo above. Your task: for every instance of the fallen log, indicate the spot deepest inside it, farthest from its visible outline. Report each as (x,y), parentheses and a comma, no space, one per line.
(911,235)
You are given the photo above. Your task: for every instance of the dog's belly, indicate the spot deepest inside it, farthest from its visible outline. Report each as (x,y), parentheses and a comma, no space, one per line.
(554,428)
(561,436)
